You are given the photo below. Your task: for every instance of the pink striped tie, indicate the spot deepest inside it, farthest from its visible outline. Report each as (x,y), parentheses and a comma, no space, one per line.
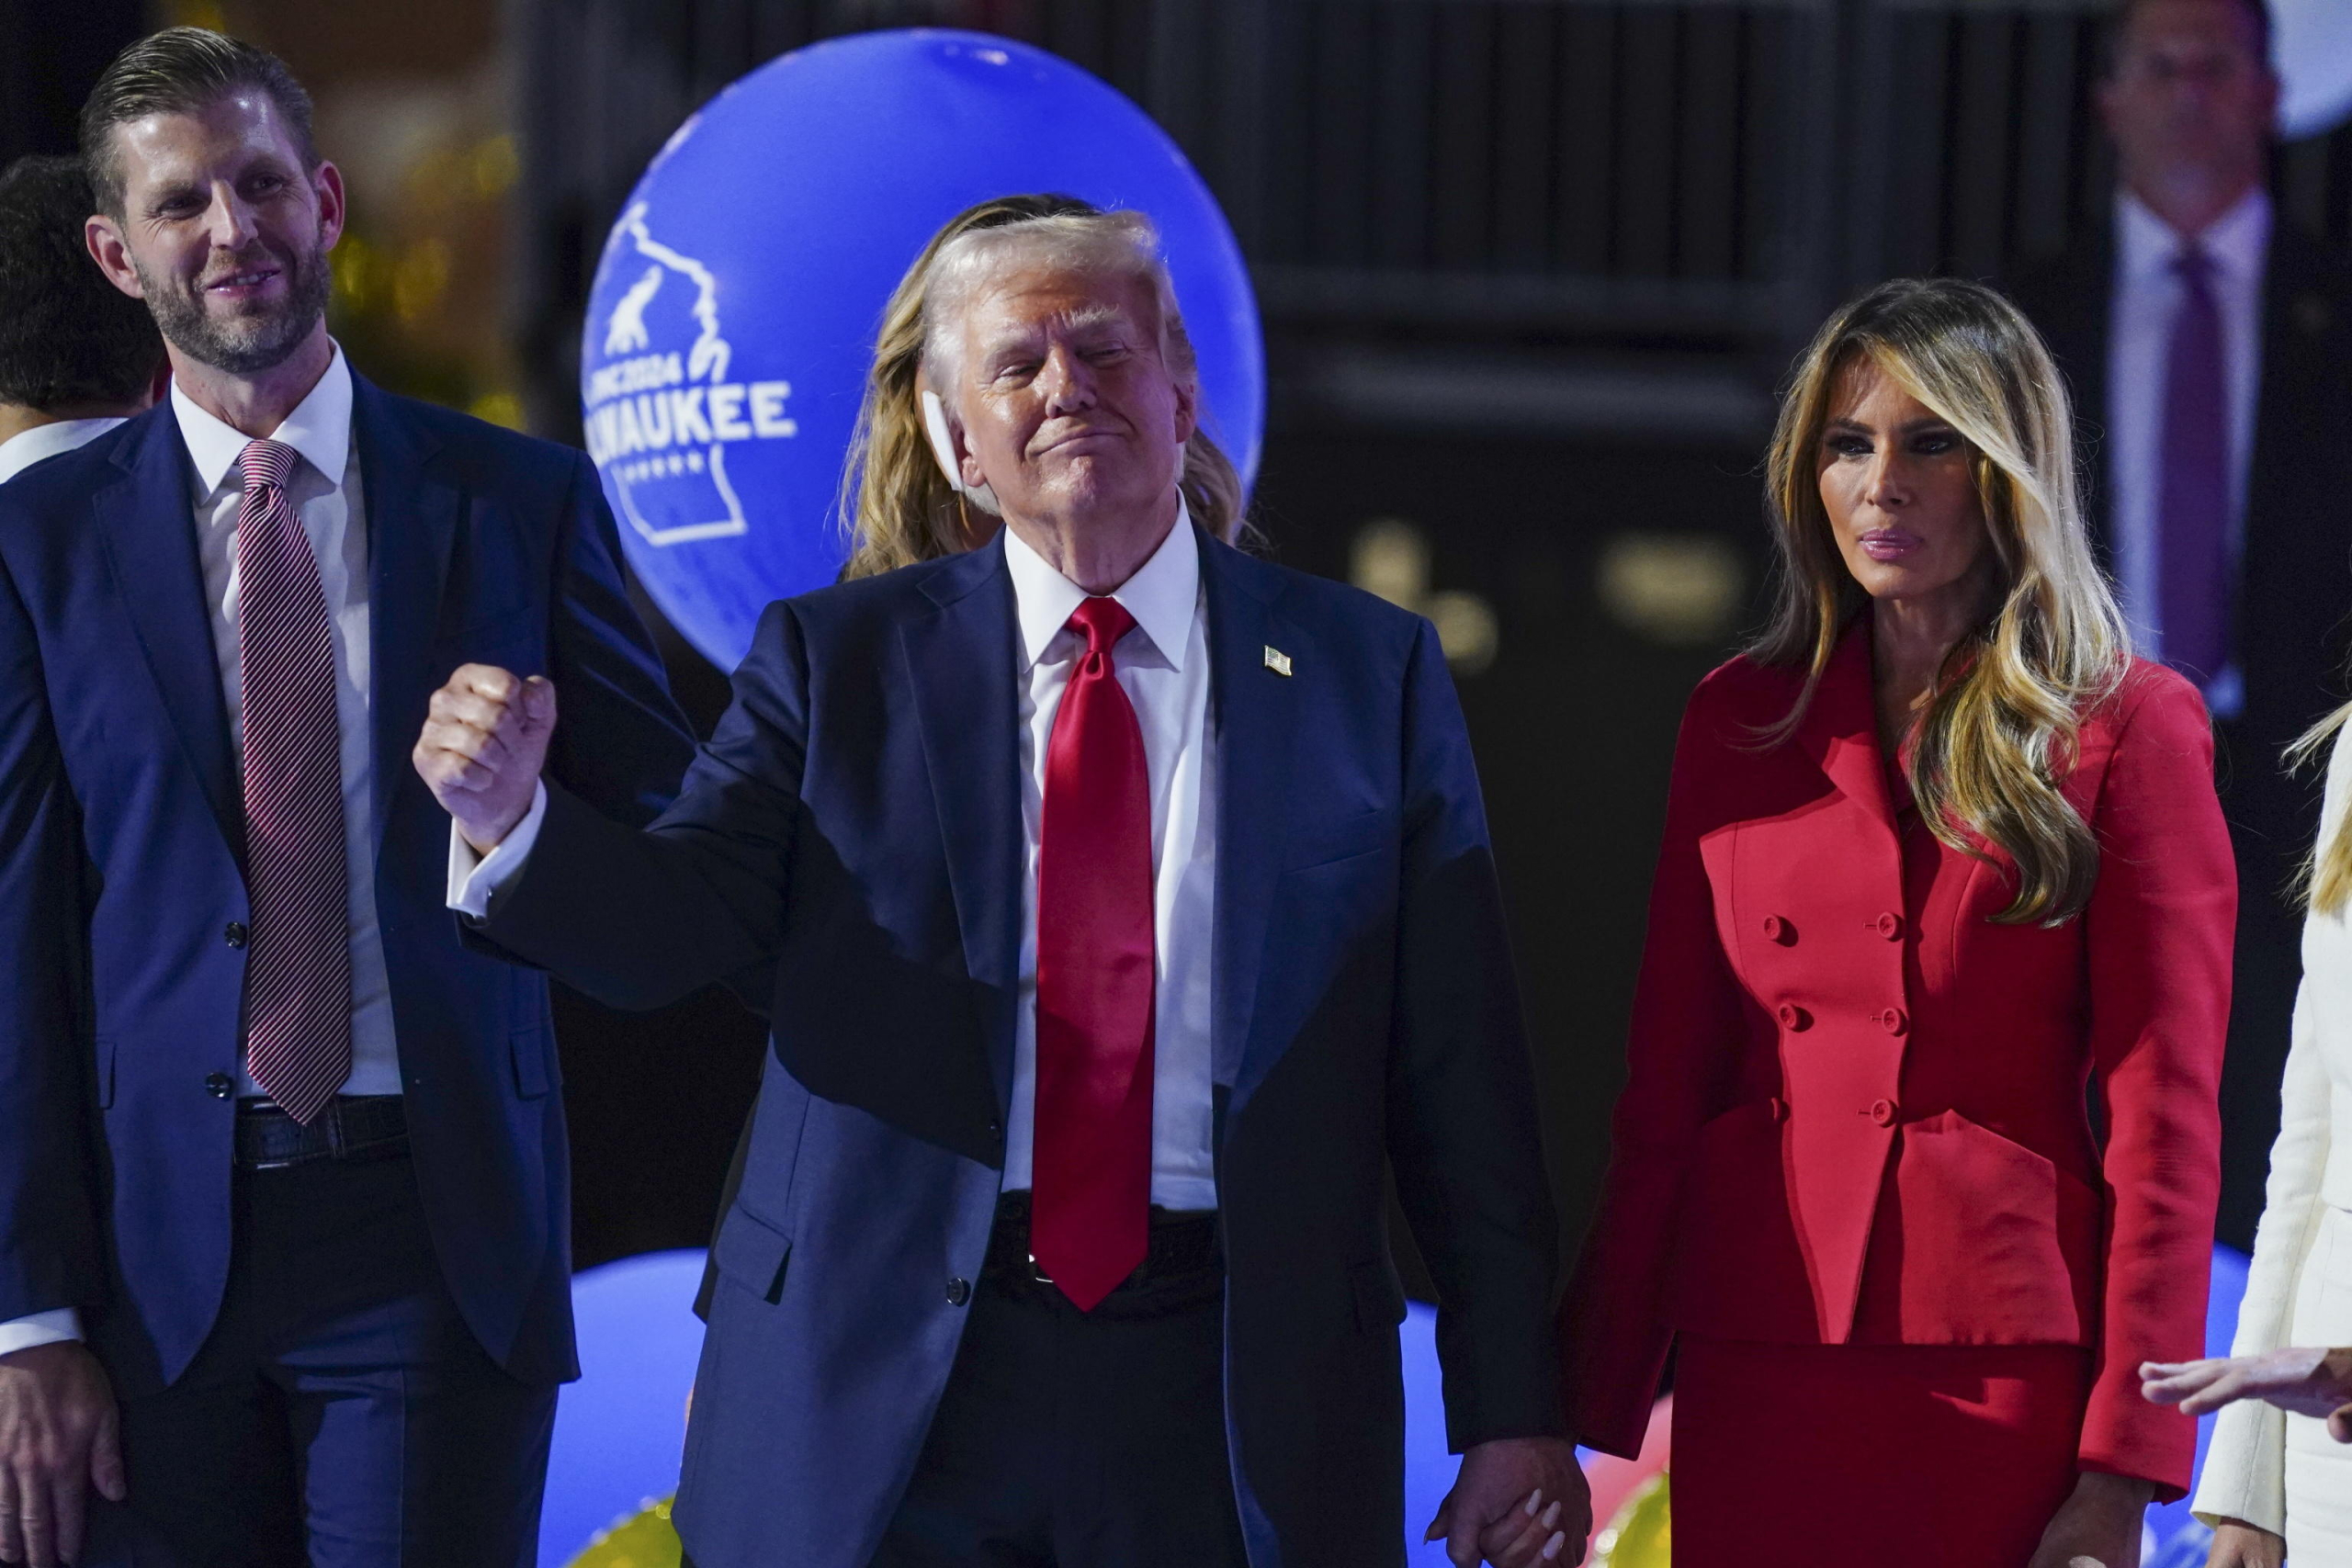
(298,966)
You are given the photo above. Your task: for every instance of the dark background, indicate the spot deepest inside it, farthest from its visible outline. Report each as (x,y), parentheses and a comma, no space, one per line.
(1531,270)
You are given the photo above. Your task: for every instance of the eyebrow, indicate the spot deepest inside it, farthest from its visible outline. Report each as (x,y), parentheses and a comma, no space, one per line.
(1933,421)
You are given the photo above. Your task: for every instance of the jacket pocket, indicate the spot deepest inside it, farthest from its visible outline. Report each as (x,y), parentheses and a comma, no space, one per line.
(752,1253)
(533,1049)
(1998,1246)
(1324,844)
(1379,1295)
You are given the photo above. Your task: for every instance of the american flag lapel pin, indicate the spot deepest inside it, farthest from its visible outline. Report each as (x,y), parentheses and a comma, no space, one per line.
(1277,661)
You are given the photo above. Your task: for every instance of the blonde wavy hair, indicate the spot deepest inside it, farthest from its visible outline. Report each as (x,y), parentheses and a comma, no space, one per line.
(2327,874)
(894,504)
(2000,728)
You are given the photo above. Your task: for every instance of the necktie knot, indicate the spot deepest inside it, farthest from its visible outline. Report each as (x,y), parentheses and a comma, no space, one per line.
(266,464)
(1102,621)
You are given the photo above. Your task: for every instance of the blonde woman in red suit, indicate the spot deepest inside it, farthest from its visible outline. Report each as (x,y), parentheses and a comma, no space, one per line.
(1943,865)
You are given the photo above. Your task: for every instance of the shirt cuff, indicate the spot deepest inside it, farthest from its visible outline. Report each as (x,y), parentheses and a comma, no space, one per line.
(40,1328)
(473,878)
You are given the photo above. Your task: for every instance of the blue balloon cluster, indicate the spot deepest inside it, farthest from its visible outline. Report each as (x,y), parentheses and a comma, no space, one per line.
(734,308)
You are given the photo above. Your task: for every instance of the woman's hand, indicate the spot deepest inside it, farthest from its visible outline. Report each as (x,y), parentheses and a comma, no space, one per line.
(2237,1544)
(2305,1381)
(2097,1524)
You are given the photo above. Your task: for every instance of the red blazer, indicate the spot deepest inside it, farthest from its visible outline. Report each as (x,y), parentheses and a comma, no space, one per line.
(1856,1106)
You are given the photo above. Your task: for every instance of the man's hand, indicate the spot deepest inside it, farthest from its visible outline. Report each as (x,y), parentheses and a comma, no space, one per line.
(2097,1526)
(2237,1544)
(1517,1501)
(485,740)
(2306,1381)
(58,1435)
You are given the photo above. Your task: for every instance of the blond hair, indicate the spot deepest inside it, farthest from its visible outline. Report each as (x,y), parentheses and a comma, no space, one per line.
(2327,881)
(2001,724)
(895,504)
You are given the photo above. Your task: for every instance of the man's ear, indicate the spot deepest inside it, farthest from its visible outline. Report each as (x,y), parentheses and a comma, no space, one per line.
(1188,411)
(102,237)
(326,184)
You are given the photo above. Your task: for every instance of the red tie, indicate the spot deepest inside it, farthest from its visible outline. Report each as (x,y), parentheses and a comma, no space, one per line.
(298,973)
(1092,1156)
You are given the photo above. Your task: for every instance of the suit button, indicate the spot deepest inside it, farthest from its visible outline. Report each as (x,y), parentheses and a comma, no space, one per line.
(1794,1018)
(1883,1113)
(995,1129)
(1889,926)
(1779,930)
(959,1290)
(234,934)
(1779,1108)
(1893,1020)
(220,1086)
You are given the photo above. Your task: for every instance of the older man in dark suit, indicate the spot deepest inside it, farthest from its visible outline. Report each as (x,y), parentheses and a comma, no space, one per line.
(2210,344)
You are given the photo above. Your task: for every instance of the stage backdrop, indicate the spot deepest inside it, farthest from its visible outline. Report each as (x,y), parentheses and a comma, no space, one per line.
(734,309)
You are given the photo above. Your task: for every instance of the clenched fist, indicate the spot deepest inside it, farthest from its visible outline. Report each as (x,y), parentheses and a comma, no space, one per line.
(485,739)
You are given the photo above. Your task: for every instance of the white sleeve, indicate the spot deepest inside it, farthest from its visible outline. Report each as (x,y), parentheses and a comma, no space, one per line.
(2245,1474)
(474,878)
(40,1328)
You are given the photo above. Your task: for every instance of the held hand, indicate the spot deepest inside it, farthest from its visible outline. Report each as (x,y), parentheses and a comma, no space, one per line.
(58,1437)
(485,740)
(1517,1501)
(2237,1544)
(2097,1526)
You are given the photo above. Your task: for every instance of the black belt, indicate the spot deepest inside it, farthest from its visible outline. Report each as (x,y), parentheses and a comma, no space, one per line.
(1181,1254)
(352,1127)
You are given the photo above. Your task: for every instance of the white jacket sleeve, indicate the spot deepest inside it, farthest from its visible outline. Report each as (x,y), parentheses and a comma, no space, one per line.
(2245,1474)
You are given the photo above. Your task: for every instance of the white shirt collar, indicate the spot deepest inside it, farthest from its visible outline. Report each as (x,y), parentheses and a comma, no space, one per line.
(319,428)
(25,448)
(1163,595)
(2237,240)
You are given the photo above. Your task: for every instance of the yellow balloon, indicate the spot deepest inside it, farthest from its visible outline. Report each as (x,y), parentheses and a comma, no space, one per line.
(641,1540)
(1638,1537)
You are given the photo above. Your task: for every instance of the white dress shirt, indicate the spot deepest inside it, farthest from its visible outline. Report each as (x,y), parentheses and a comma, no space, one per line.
(325,490)
(2147,301)
(25,448)
(1164,666)
(2247,1468)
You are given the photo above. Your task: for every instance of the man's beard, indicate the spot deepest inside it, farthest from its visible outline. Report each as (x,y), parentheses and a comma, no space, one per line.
(242,345)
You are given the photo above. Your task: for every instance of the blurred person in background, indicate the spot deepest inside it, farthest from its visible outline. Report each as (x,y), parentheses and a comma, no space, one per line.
(2209,339)
(2275,1487)
(76,356)
(1940,854)
(284,1201)
(1131,911)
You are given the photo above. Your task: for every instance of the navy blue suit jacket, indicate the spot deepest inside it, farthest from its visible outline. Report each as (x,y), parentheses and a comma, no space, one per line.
(120,828)
(856,821)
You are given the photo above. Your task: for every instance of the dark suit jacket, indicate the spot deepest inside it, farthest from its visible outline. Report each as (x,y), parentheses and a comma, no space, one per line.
(855,819)
(2291,629)
(120,830)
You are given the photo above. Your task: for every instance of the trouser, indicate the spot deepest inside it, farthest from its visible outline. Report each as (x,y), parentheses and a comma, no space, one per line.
(341,1415)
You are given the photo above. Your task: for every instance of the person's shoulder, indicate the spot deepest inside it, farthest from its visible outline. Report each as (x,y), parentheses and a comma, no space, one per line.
(57,490)
(2149,700)
(1318,604)
(489,455)
(1744,689)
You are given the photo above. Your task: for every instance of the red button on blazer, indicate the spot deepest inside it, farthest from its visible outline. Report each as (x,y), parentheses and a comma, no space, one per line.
(1747,1200)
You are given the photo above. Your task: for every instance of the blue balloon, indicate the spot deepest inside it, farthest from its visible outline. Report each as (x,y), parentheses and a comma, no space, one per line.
(734,309)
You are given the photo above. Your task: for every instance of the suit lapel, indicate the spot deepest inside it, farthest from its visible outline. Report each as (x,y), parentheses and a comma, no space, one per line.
(147,521)
(1840,734)
(412,515)
(962,664)
(1255,714)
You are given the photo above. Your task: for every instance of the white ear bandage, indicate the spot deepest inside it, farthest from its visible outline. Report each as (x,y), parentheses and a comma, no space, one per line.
(942,449)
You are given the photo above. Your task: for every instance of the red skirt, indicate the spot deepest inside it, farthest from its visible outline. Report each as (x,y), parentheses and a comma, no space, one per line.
(1859,1456)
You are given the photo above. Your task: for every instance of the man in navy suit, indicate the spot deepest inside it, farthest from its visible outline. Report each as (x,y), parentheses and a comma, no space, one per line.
(282,1170)
(1130,912)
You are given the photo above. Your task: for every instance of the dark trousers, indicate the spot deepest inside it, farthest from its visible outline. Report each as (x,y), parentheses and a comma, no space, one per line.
(342,1414)
(1071,1439)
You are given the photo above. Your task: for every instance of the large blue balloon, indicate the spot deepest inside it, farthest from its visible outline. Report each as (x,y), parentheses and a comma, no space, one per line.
(734,309)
